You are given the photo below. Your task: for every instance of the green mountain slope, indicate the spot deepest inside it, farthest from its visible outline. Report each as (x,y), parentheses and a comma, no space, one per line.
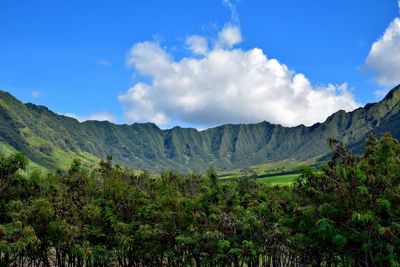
(53,140)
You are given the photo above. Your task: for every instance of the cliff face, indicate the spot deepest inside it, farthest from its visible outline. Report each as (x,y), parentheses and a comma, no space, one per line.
(53,140)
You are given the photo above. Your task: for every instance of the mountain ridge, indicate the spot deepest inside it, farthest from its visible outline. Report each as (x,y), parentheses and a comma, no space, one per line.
(53,140)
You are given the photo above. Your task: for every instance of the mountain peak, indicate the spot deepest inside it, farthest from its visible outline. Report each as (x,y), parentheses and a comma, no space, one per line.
(394,93)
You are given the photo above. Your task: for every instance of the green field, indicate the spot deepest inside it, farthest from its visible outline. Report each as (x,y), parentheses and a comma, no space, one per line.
(279,180)
(284,179)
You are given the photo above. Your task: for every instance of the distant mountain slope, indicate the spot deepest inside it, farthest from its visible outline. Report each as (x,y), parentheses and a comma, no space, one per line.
(53,140)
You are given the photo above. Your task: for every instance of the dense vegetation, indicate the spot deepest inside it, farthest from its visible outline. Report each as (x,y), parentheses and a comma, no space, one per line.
(345,214)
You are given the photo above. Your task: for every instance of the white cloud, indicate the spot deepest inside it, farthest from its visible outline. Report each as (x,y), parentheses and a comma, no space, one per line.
(229,36)
(225,86)
(232,8)
(149,59)
(139,107)
(36,93)
(383,60)
(99,116)
(197,44)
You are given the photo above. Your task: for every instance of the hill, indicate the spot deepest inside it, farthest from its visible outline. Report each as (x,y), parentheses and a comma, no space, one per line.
(53,140)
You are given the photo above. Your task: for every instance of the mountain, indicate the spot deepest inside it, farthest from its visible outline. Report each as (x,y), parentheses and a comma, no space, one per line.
(53,140)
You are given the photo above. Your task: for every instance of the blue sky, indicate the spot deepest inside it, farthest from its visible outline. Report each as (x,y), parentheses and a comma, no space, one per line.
(90,59)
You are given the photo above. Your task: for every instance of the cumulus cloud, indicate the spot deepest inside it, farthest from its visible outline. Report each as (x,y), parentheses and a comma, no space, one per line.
(225,85)
(383,60)
(99,116)
(197,44)
(229,36)
(140,105)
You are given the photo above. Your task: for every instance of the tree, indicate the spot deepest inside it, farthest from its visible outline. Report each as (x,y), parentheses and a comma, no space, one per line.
(345,211)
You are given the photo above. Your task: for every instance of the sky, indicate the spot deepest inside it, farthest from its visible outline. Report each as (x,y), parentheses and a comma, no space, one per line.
(200,63)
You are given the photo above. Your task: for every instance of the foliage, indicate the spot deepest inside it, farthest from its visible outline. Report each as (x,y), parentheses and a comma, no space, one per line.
(345,214)
(349,211)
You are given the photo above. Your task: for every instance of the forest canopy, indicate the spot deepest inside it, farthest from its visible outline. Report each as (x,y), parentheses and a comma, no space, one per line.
(345,213)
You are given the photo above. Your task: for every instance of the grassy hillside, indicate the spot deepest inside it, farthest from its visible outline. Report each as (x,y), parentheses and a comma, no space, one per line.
(52,140)
(286,179)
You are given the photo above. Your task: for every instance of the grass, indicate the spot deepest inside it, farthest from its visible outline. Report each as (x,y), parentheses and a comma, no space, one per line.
(269,169)
(62,158)
(8,150)
(65,158)
(277,173)
(284,179)
(279,179)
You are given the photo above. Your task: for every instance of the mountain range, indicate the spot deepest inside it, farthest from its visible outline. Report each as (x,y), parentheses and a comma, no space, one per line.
(53,141)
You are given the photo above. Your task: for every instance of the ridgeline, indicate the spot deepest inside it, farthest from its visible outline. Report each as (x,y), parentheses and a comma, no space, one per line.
(53,140)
